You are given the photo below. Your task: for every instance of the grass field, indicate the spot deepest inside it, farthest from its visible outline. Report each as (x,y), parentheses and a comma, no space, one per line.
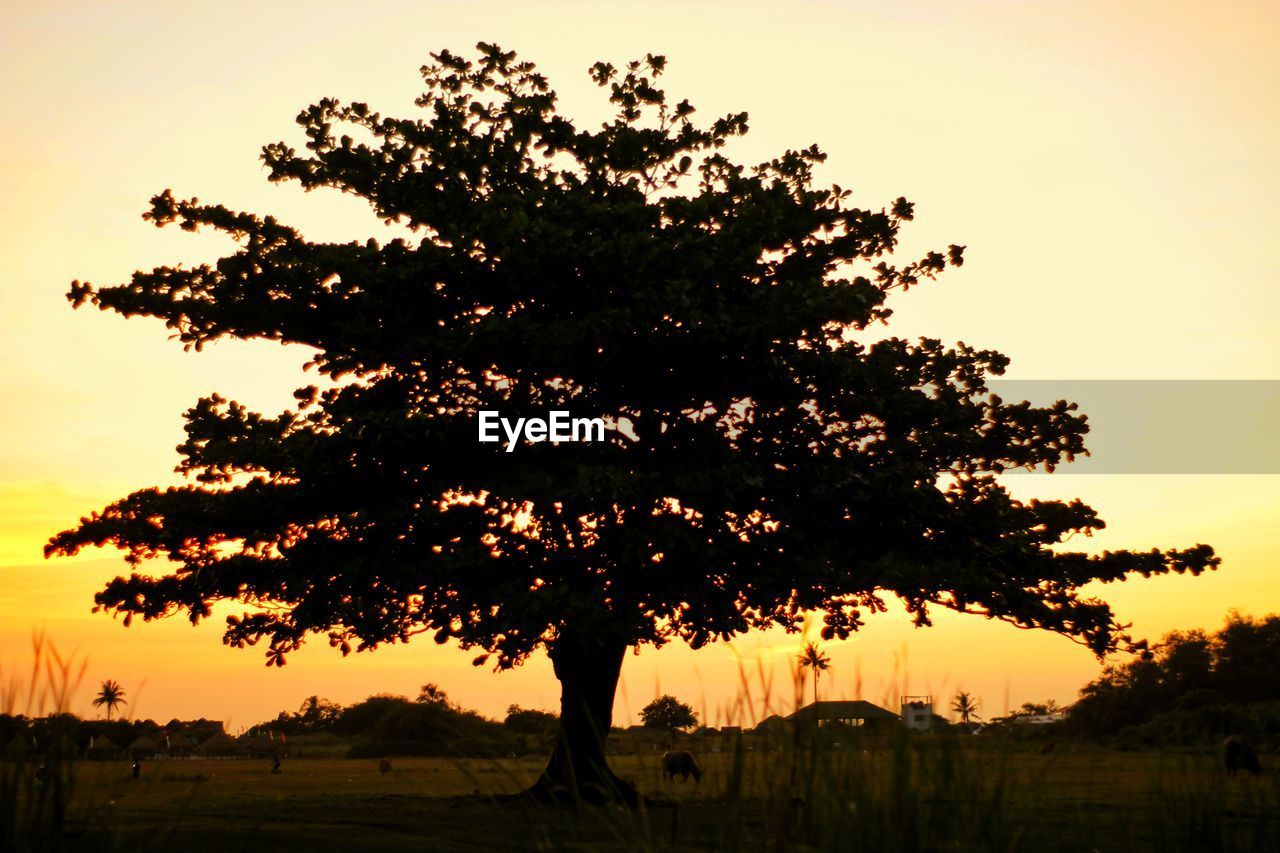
(900,796)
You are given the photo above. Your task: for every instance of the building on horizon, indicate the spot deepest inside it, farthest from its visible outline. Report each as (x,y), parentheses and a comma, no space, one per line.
(917,713)
(853,713)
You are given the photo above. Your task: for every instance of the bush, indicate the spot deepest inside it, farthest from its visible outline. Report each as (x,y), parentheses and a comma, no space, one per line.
(1207,724)
(1194,688)
(394,725)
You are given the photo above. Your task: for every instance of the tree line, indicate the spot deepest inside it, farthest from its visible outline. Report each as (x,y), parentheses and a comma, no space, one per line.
(431,724)
(1193,687)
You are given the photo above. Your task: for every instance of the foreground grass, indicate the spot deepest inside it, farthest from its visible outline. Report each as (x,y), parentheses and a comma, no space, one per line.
(906,795)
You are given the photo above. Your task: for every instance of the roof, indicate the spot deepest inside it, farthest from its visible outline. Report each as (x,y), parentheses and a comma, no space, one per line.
(851,709)
(220,737)
(220,742)
(197,731)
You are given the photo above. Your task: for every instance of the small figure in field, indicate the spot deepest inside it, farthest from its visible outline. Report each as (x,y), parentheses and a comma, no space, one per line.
(137,768)
(680,763)
(275,763)
(1238,756)
(1048,747)
(384,765)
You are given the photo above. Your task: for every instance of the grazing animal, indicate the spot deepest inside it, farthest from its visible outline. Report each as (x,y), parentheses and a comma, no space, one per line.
(680,763)
(384,766)
(1238,756)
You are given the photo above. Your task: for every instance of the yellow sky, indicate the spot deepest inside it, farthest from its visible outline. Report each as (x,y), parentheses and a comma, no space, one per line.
(1110,166)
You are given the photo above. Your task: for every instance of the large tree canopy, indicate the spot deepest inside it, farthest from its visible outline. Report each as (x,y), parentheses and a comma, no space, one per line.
(766,456)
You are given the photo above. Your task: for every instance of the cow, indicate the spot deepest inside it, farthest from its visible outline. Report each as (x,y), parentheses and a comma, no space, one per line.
(1238,756)
(680,763)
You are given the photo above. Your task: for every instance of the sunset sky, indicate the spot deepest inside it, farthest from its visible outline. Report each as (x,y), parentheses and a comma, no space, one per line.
(1111,167)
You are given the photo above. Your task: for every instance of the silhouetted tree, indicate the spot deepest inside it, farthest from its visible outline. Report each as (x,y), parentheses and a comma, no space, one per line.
(531,722)
(669,714)
(766,456)
(110,696)
(816,660)
(1245,658)
(433,694)
(385,724)
(363,717)
(1041,709)
(965,706)
(314,715)
(1193,676)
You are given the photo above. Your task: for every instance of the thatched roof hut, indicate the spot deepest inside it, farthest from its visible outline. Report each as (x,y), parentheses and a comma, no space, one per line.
(101,748)
(144,746)
(180,742)
(219,746)
(854,712)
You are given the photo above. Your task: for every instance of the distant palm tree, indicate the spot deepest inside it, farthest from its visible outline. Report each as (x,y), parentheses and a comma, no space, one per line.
(111,696)
(966,706)
(815,659)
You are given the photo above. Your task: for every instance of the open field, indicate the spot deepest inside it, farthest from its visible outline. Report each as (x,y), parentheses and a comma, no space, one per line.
(897,797)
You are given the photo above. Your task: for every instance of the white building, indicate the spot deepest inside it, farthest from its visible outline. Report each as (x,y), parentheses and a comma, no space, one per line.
(917,713)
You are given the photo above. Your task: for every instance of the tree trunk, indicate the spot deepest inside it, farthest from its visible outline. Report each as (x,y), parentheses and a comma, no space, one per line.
(587,668)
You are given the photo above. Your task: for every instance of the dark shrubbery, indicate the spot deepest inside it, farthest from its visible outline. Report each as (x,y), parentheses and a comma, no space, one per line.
(387,725)
(1194,689)
(1259,722)
(535,731)
(532,723)
(314,716)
